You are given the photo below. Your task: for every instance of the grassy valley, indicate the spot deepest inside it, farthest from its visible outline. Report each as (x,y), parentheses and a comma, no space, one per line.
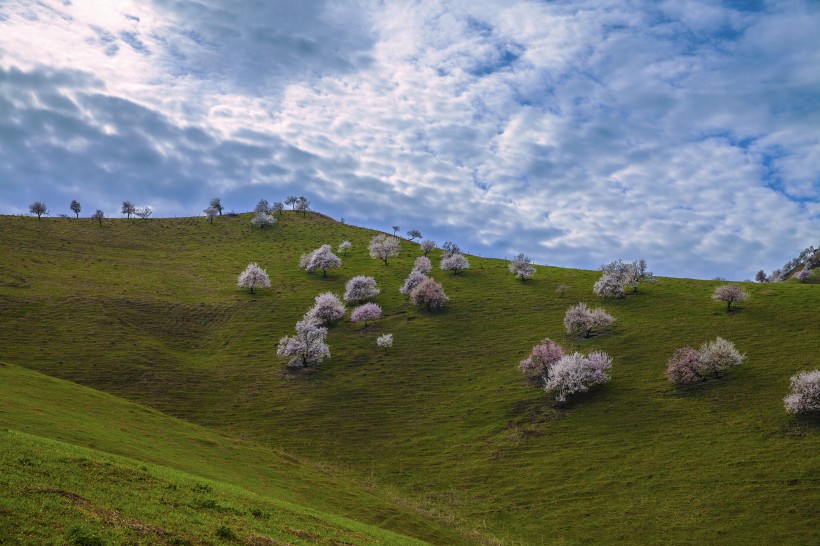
(129,345)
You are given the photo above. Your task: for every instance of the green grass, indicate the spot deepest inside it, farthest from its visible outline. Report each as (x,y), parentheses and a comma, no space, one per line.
(54,490)
(149,311)
(70,414)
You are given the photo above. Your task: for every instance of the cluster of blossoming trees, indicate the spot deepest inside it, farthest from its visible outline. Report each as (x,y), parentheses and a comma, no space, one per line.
(562,374)
(565,374)
(308,346)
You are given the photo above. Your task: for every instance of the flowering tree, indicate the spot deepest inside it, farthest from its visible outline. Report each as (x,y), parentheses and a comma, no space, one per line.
(262,219)
(75,207)
(576,373)
(98,216)
(803,275)
(684,366)
(414,279)
(307,347)
(429,293)
(730,293)
(38,208)
(581,319)
(383,247)
(144,212)
(541,359)
(454,262)
(427,246)
(561,289)
(291,200)
(521,266)
(277,208)
(128,208)
(609,285)
(211,213)
(327,309)
(719,355)
(423,265)
(262,206)
(360,288)
(805,393)
(344,246)
(414,234)
(385,341)
(366,312)
(253,276)
(322,258)
(216,203)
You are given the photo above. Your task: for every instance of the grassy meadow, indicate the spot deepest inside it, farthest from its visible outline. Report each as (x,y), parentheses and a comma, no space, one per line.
(132,339)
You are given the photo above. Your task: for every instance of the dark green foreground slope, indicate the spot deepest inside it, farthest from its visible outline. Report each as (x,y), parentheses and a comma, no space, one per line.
(149,311)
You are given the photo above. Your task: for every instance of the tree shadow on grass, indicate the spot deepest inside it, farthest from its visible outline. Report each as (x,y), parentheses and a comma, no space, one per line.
(693,390)
(800,426)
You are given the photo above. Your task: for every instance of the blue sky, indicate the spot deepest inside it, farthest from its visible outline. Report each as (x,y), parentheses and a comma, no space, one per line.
(682,132)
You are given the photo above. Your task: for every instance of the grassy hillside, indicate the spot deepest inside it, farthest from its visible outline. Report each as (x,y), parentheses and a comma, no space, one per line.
(149,311)
(58,492)
(71,415)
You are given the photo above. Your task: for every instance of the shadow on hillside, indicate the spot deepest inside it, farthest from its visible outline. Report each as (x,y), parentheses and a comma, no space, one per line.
(694,390)
(800,426)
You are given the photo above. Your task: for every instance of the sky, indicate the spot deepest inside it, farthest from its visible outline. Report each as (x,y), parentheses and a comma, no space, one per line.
(685,132)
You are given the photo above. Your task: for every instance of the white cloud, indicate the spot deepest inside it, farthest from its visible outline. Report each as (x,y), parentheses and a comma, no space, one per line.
(577,132)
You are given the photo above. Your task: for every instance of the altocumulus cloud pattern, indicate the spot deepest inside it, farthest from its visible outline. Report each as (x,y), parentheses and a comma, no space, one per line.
(578,132)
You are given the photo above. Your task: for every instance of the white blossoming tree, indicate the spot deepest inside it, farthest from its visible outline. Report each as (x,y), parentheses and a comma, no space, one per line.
(543,356)
(455,262)
(262,219)
(360,288)
(576,373)
(718,356)
(429,293)
(521,266)
(385,341)
(619,274)
(423,265)
(307,347)
(729,293)
(252,277)
(366,312)
(322,258)
(211,213)
(327,309)
(581,319)
(383,247)
(805,393)
(414,279)
(609,285)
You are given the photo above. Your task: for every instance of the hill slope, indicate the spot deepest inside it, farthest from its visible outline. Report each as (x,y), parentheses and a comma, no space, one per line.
(60,416)
(148,310)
